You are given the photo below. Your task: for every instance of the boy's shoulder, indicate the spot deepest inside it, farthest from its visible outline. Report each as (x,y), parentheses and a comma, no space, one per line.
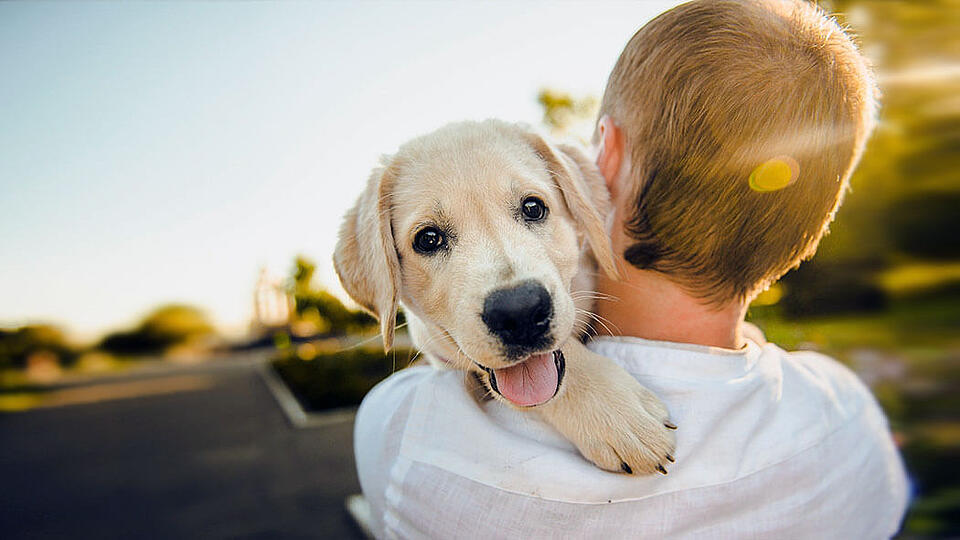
(815,378)
(822,371)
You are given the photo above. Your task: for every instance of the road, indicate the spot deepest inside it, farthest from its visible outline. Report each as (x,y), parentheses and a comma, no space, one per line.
(195,453)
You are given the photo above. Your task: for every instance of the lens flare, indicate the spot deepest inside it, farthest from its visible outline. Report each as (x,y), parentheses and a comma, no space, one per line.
(774,174)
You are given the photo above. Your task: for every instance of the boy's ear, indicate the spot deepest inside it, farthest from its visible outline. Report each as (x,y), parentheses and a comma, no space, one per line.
(584,192)
(610,157)
(366,258)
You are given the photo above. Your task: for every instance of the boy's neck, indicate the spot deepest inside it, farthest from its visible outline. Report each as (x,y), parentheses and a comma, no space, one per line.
(646,304)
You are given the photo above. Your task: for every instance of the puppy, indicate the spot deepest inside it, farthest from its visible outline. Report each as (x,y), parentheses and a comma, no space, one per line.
(490,238)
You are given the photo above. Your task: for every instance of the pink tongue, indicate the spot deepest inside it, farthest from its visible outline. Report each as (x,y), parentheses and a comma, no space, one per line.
(530,382)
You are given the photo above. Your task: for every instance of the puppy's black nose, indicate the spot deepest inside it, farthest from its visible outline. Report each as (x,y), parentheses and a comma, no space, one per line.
(519,316)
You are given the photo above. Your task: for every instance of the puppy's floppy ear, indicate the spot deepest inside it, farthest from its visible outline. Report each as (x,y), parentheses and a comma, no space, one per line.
(366,258)
(584,192)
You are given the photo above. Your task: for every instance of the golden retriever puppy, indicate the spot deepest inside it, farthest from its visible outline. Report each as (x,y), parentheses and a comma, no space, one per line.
(490,238)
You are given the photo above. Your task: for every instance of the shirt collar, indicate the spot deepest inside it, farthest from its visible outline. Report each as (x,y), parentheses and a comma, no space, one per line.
(677,360)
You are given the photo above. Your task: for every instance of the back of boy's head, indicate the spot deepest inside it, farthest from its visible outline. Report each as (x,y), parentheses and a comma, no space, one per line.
(721,103)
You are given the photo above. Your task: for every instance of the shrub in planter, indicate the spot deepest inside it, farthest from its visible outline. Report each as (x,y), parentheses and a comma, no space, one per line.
(338,379)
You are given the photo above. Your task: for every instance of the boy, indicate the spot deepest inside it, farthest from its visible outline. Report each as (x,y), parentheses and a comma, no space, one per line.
(728,132)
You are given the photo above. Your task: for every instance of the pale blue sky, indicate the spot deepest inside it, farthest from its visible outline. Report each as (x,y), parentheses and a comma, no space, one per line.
(156,152)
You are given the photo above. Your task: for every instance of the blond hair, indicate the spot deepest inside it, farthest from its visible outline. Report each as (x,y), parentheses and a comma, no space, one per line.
(711,94)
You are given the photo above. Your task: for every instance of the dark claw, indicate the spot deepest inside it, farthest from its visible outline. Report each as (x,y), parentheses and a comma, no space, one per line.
(669,425)
(625,468)
(661,469)
(670,458)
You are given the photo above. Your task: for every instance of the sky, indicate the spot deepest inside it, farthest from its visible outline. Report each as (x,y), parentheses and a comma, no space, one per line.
(165,152)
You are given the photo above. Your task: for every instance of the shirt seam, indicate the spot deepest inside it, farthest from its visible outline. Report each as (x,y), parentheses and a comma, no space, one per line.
(392,495)
(677,346)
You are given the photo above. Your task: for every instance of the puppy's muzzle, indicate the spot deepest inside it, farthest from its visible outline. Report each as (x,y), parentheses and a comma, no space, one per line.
(519,317)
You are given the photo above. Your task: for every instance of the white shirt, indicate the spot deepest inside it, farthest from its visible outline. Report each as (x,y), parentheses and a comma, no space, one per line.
(770,445)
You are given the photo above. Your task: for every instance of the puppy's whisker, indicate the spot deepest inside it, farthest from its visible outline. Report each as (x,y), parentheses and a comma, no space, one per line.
(594,299)
(588,292)
(368,340)
(601,321)
(605,298)
(415,356)
(422,348)
(608,321)
(607,328)
(593,316)
(581,327)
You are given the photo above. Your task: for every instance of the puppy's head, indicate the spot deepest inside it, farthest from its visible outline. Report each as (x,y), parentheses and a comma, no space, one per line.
(478,229)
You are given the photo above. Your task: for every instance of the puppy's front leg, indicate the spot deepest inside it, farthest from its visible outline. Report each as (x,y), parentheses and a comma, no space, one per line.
(611,418)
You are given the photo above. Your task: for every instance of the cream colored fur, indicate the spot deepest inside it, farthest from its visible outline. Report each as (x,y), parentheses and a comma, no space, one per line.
(470,178)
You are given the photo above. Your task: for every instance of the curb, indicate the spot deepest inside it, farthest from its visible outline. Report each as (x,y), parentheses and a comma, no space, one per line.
(295,414)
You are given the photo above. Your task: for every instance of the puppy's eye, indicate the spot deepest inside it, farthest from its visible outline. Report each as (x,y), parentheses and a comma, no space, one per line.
(428,240)
(534,209)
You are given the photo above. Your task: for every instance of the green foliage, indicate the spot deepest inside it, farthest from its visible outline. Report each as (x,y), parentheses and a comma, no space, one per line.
(914,148)
(340,379)
(163,328)
(904,203)
(567,115)
(17,345)
(321,308)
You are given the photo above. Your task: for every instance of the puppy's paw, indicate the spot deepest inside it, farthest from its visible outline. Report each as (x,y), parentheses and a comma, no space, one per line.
(637,435)
(611,418)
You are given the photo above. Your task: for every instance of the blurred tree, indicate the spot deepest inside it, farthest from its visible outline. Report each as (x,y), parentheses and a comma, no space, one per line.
(320,309)
(903,202)
(163,328)
(566,115)
(915,49)
(19,344)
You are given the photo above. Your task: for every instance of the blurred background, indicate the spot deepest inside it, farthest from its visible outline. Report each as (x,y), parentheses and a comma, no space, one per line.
(176,355)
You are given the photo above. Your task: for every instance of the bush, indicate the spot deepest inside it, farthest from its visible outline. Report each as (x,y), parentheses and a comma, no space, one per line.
(164,327)
(340,379)
(17,345)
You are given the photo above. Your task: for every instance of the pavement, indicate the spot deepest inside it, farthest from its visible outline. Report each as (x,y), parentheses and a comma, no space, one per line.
(189,452)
